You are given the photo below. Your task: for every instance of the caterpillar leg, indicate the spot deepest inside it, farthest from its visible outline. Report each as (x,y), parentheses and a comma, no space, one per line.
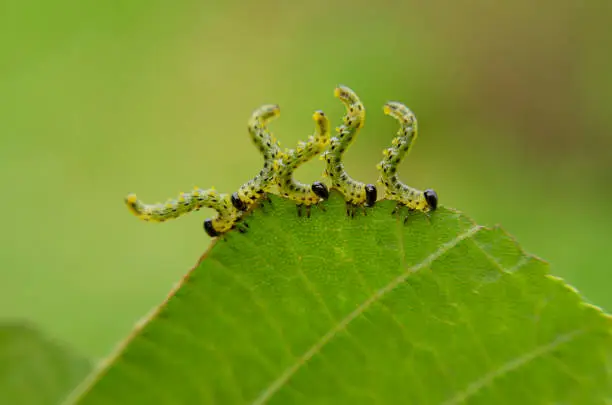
(413,199)
(398,211)
(352,210)
(254,190)
(308,208)
(265,201)
(242,227)
(355,193)
(427,216)
(304,194)
(397,208)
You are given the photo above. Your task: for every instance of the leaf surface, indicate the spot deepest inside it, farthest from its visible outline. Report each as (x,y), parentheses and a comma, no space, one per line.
(35,370)
(334,310)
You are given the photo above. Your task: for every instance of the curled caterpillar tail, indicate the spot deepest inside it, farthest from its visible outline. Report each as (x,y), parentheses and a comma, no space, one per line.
(258,127)
(355,193)
(254,189)
(291,159)
(135,206)
(355,117)
(188,202)
(321,135)
(412,198)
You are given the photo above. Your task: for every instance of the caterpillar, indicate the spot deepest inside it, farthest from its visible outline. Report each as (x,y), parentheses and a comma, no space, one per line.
(226,219)
(414,199)
(291,159)
(355,193)
(255,189)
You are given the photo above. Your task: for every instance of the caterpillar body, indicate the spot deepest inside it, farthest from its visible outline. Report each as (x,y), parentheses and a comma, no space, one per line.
(266,143)
(356,194)
(405,195)
(303,194)
(226,219)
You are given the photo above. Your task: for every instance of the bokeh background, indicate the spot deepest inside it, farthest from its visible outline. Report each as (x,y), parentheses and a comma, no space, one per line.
(98,99)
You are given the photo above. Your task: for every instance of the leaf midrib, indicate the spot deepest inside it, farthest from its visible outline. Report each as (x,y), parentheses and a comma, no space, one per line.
(277,384)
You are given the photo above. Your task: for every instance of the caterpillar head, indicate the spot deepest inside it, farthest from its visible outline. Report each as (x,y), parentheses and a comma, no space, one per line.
(320,190)
(210,229)
(432,199)
(237,203)
(370,195)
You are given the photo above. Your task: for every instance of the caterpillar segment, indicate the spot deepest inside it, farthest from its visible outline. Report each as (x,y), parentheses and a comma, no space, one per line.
(304,195)
(406,196)
(356,194)
(256,188)
(227,215)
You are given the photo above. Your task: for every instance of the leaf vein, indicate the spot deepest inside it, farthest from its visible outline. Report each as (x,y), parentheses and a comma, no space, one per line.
(277,384)
(510,366)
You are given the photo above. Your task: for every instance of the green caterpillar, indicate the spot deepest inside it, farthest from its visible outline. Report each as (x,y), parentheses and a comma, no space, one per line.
(226,219)
(303,194)
(407,196)
(253,190)
(356,194)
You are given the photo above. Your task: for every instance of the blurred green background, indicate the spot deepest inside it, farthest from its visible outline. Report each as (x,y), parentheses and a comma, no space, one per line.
(98,99)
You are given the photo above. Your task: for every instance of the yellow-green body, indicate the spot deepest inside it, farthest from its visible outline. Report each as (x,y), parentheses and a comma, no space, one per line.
(291,159)
(394,189)
(253,190)
(185,203)
(354,191)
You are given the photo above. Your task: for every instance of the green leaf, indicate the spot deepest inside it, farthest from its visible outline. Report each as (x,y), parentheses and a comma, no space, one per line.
(333,310)
(35,370)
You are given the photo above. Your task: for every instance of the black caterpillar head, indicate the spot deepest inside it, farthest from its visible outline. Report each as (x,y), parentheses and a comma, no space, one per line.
(432,199)
(370,194)
(320,190)
(238,203)
(210,229)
